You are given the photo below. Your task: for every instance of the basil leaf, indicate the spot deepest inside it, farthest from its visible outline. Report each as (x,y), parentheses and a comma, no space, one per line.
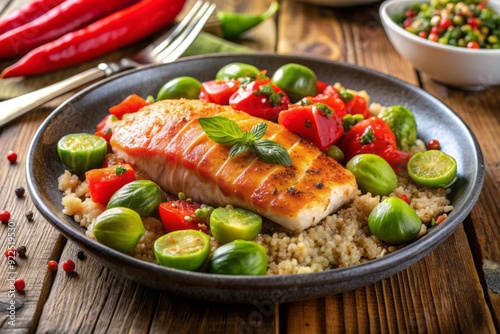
(237,149)
(271,152)
(221,130)
(259,130)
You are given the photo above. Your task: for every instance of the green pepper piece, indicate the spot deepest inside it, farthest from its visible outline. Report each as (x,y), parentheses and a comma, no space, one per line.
(183,249)
(228,224)
(239,257)
(119,228)
(234,24)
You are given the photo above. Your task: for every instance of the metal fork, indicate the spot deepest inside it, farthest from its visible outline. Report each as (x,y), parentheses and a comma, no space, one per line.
(165,49)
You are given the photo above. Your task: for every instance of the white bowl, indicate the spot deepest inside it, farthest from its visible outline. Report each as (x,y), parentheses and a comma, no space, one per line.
(469,69)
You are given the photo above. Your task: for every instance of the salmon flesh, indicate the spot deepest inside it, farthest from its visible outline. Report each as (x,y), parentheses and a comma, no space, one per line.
(165,141)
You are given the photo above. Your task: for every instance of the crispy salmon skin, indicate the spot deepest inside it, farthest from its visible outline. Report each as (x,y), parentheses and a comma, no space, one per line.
(165,141)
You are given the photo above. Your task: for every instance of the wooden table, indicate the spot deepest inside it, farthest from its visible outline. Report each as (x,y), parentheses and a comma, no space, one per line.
(454,289)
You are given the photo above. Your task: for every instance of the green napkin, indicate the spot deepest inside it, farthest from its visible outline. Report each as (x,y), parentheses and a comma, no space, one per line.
(207,43)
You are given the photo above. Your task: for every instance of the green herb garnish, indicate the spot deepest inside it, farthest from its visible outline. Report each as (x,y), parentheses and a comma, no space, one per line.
(227,132)
(120,170)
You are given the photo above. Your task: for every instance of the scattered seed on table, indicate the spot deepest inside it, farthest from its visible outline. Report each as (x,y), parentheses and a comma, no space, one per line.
(29,215)
(12,157)
(81,255)
(4,216)
(21,250)
(52,265)
(10,253)
(19,284)
(19,191)
(68,266)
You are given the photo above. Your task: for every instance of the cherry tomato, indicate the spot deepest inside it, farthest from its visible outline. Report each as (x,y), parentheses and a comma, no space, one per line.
(405,198)
(373,135)
(473,45)
(218,91)
(103,129)
(12,157)
(260,98)
(104,182)
(4,216)
(131,104)
(317,123)
(180,215)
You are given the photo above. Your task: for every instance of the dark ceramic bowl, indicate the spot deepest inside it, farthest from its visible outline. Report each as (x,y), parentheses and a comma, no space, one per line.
(83,111)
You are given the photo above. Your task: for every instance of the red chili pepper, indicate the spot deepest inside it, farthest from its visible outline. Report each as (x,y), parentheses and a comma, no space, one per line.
(67,17)
(130,104)
(27,13)
(373,135)
(116,30)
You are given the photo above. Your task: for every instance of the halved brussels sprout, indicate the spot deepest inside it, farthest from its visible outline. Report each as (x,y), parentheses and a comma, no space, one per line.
(119,228)
(394,221)
(402,123)
(228,224)
(373,174)
(239,257)
(142,196)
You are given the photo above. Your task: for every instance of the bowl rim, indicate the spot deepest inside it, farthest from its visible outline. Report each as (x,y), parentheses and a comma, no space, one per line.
(389,23)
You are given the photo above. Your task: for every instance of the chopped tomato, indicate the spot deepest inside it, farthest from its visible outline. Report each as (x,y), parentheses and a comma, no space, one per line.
(104,182)
(357,105)
(103,129)
(260,98)
(131,104)
(320,86)
(373,135)
(218,91)
(317,123)
(337,103)
(180,215)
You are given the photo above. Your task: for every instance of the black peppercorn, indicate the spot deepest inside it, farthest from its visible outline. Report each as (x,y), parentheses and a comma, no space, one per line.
(19,191)
(29,215)
(21,250)
(81,255)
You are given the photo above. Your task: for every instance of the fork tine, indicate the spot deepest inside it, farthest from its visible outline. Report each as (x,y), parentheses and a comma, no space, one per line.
(179,44)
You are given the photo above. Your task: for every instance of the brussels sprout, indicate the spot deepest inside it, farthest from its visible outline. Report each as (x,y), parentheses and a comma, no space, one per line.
(239,257)
(394,221)
(181,87)
(402,123)
(142,196)
(183,249)
(235,71)
(119,228)
(296,80)
(228,224)
(373,174)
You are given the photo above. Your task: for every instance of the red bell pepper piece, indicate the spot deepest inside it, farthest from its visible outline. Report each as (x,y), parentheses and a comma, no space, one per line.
(317,123)
(27,13)
(260,98)
(130,104)
(104,129)
(320,86)
(67,17)
(338,103)
(218,91)
(109,33)
(373,135)
(104,182)
(334,102)
(180,215)
(357,105)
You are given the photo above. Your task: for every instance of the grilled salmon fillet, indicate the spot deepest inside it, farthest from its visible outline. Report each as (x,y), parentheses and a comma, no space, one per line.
(165,141)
